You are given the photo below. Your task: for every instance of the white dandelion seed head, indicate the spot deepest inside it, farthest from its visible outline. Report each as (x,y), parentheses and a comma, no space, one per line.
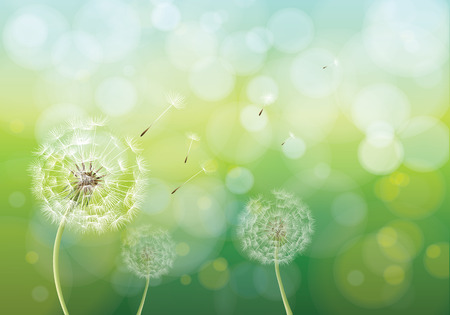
(193,136)
(88,177)
(176,100)
(275,230)
(148,252)
(209,166)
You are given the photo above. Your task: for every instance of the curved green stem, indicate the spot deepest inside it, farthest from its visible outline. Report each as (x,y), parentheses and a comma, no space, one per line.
(143,297)
(56,265)
(280,284)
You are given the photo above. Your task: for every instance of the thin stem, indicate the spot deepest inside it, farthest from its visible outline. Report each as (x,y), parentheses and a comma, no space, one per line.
(159,117)
(143,297)
(189,150)
(56,265)
(280,284)
(190,178)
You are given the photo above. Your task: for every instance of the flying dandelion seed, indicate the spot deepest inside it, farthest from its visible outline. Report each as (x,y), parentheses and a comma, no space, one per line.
(88,180)
(174,100)
(267,99)
(291,136)
(192,137)
(275,232)
(207,167)
(148,253)
(335,63)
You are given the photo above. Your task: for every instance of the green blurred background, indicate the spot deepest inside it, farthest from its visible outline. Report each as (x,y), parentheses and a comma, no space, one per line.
(362,86)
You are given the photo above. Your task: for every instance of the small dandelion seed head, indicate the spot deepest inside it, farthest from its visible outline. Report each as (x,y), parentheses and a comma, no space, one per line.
(148,252)
(88,177)
(176,100)
(193,136)
(209,166)
(279,229)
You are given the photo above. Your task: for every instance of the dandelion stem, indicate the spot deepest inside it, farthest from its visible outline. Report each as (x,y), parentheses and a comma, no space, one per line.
(280,284)
(159,117)
(143,297)
(56,265)
(189,150)
(189,179)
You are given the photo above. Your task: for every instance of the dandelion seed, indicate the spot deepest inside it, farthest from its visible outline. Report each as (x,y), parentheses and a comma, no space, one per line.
(291,136)
(207,167)
(87,180)
(174,100)
(267,99)
(148,253)
(274,232)
(335,64)
(192,137)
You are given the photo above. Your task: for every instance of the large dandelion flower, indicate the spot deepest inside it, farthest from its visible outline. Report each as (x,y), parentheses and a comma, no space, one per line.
(88,177)
(88,180)
(275,232)
(148,253)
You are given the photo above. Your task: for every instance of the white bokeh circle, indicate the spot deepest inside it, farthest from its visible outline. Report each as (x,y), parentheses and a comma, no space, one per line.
(30,33)
(165,16)
(250,119)
(114,24)
(349,209)
(380,103)
(294,148)
(259,39)
(408,38)
(239,180)
(377,159)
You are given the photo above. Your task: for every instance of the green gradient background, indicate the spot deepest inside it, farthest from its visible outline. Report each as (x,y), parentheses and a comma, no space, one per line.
(90,263)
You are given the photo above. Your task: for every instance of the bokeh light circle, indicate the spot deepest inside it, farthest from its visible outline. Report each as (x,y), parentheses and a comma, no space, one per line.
(212,79)
(261,86)
(426,143)
(116,96)
(399,191)
(259,39)
(239,180)
(364,285)
(436,260)
(214,275)
(377,159)
(113,24)
(30,33)
(189,44)
(294,148)
(380,103)
(408,38)
(309,76)
(39,293)
(240,55)
(70,60)
(251,120)
(165,16)
(292,30)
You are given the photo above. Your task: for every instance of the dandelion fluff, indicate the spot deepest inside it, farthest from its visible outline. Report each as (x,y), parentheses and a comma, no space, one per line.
(148,252)
(88,177)
(275,231)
